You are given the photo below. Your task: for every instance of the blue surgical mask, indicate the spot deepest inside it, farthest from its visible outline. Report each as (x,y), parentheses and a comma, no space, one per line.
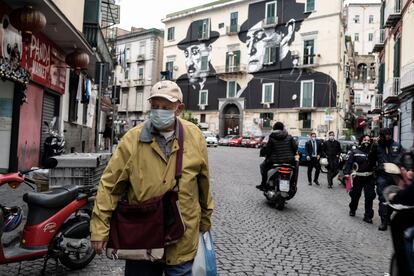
(162,119)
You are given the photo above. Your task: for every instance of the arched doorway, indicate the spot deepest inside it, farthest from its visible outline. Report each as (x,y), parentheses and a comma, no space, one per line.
(231,114)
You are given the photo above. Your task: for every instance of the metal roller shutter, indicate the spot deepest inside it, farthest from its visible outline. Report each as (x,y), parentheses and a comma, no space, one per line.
(50,110)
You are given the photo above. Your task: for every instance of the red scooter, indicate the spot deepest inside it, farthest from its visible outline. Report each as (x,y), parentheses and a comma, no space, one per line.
(57,225)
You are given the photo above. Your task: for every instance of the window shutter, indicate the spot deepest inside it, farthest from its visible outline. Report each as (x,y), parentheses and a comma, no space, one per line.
(274,52)
(227,61)
(266,57)
(236,58)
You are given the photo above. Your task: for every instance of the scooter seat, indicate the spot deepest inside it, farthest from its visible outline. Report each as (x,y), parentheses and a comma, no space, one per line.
(54,198)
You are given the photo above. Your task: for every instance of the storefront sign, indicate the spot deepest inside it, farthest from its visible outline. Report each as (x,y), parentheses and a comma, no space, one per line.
(46,63)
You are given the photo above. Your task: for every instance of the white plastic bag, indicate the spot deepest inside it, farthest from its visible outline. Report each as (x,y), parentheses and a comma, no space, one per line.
(205,260)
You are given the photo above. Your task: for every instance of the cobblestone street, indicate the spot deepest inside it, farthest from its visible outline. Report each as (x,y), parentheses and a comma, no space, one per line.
(313,235)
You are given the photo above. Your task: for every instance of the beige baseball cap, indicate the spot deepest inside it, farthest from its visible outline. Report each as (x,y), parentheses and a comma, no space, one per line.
(168,90)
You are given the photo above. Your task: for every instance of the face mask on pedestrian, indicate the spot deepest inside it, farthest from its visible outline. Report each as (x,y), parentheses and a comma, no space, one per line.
(365,144)
(331,137)
(162,119)
(313,138)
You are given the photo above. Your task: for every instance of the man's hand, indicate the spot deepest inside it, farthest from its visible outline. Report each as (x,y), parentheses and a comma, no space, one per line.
(99,246)
(308,158)
(406,177)
(318,157)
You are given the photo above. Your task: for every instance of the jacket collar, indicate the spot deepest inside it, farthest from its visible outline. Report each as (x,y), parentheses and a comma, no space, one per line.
(148,131)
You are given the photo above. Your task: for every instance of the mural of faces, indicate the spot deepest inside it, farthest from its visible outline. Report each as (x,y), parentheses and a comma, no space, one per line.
(194,61)
(11,42)
(259,38)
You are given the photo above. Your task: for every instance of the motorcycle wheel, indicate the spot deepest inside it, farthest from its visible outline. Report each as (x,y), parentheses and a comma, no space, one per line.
(77,228)
(280,203)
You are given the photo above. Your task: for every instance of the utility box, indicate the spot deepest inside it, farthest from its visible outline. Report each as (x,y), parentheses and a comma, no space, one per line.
(78,169)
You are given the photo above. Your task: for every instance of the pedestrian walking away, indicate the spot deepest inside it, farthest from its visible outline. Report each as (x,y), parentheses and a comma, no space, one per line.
(143,165)
(332,150)
(313,149)
(385,151)
(362,162)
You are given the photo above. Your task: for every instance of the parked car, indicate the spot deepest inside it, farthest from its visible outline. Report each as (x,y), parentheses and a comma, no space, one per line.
(224,141)
(301,140)
(244,140)
(235,141)
(255,142)
(211,139)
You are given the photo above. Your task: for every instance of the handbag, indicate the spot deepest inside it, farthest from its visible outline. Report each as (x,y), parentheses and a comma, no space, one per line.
(141,231)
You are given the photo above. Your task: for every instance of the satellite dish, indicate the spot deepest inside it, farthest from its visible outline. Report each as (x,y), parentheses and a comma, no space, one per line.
(294,97)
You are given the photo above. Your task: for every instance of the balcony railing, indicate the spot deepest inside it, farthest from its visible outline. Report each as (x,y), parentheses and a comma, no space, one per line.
(392,12)
(376,104)
(379,38)
(270,21)
(407,76)
(391,90)
(232,29)
(94,36)
(231,69)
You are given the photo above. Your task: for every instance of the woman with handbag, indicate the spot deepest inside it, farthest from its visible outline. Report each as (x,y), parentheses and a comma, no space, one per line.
(154,197)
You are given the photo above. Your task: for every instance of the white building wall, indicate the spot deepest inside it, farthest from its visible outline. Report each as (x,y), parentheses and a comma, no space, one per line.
(363,28)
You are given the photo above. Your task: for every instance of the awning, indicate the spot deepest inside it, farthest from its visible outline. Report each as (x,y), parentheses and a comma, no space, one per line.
(391,110)
(59,29)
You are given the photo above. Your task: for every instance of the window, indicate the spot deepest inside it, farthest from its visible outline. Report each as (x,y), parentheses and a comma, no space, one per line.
(357,98)
(306,93)
(233,22)
(127,71)
(204,63)
(204,29)
(139,99)
(233,61)
(267,93)
(221,25)
(203,97)
(271,12)
(141,72)
(171,33)
(231,89)
(169,66)
(371,19)
(73,91)
(142,46)
(266,119)
(308,51)
(310,5)
(128,53)
(306,118)
(202,118)
(370,36)
(271,55)
(356,19)
(356,36)
(124,99)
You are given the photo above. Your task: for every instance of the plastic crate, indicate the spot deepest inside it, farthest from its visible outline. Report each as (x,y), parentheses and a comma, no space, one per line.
(78,170)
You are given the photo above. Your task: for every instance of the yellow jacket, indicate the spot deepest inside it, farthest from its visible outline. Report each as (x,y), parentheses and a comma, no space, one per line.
(139,160)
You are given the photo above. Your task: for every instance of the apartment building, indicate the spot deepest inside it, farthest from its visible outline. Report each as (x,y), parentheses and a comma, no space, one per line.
(243,65)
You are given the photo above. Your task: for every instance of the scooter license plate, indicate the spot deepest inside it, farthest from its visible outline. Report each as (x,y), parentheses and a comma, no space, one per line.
(284,185)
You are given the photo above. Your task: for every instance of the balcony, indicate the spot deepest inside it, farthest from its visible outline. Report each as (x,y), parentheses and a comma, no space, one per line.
(392,12)
(407,77)
(95,38)
(141,58)
(139,82)
(379,38)
(310,61)
(376,104)
(232,29)
(271,21)
(235,69)
(391,90)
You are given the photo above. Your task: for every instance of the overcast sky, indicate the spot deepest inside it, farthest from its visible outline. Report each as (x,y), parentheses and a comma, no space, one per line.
(148,14)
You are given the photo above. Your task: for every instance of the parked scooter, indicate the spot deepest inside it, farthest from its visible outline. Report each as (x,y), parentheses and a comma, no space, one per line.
(281,184)
(57,224)
(54,144)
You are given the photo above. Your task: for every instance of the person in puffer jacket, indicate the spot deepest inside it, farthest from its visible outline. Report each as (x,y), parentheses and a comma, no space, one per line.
(281,148)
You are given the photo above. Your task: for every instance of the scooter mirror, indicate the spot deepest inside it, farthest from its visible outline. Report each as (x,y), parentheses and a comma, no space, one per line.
(46,123)
(50,163)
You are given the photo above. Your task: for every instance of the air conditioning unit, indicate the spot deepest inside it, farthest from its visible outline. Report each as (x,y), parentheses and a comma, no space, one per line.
(202,106)
(266,105)
(256,120)
(175,68)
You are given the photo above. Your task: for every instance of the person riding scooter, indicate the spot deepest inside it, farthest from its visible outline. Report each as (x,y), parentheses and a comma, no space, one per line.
(281,148)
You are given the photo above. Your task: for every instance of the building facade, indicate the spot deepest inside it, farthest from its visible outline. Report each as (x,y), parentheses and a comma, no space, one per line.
(362,20)
(243,65)
(139,62)
(396,69)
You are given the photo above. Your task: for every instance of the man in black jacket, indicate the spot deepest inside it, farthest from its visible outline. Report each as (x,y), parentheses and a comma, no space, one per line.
(386,151)
(313,149)
(280,149)
(362,161)
(332,150)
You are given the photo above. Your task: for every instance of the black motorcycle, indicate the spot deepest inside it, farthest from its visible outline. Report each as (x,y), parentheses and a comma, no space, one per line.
(281,184)
(54,144)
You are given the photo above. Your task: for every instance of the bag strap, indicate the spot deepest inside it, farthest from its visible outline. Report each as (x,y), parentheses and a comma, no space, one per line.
(179,160)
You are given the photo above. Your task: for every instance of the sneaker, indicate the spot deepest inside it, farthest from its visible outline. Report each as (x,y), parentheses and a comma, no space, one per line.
(310,183)
(261,187)
(383,227)
(352,213)
(367,220)
(316,182)
(330,186)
